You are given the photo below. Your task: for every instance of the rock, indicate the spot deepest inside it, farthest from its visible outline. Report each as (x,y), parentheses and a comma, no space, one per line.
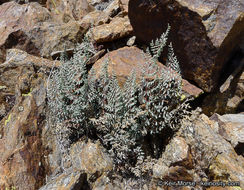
(42,2)
(177,153)
(131,41)
(36,34)
(100,5)
(95,18)
(51,37)
(113,8)
(23,151)
(65,10)
(227,168)
(18,63)
(125,59)
(95,2)
(90,158)
(22,156)
(231,127)
(229,97)
(123,4)
(212,152)
(118,28)
(15,19)
(67,181)
(204,33)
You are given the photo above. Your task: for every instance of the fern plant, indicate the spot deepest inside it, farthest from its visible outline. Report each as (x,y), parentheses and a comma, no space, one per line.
(122,118)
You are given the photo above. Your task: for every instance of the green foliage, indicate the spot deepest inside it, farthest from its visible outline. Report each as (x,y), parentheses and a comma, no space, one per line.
(122,118)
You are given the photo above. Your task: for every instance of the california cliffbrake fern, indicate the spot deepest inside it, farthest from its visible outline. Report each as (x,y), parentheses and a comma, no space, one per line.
(122,118)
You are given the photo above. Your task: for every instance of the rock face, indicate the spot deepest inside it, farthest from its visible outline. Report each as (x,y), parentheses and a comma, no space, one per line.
(124,60)
(87,161)
(34,33)
(22,153)
(17,63)
(204,33)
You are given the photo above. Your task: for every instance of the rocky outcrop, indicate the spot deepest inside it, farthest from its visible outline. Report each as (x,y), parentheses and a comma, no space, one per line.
(212,151)
(13,26)
(204,33)
(124,60)
(34,33)
(33,156)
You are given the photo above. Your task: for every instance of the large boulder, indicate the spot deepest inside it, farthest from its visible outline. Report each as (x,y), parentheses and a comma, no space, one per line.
(204,33)
(124,60)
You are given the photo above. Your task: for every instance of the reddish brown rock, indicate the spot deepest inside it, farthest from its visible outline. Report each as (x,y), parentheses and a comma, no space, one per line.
(124,60)
(36,34)
(17,63)
(15,20)
(22,151)
(22,156)
(65,10)
(52,37)
(118,28)
(231,127)
(95,18)
(204,33)
(90,158)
